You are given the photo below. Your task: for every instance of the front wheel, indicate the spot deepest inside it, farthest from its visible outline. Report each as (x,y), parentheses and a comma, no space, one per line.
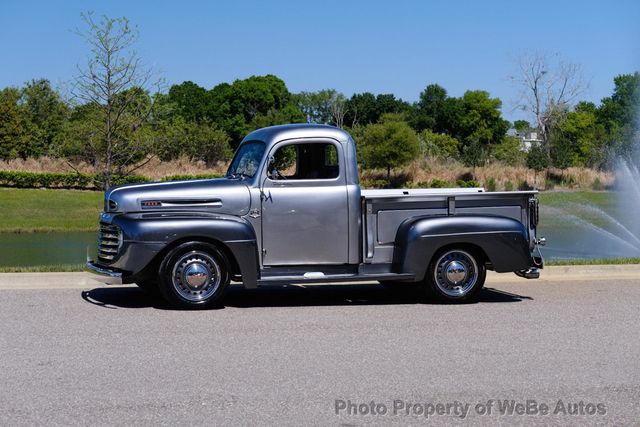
(455,275)
(194,276)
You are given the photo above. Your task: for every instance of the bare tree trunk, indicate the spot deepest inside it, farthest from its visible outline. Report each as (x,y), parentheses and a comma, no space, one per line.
(112,82)
(548,88)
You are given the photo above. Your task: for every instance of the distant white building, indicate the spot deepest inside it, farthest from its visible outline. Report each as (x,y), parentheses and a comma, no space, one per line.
(527,138)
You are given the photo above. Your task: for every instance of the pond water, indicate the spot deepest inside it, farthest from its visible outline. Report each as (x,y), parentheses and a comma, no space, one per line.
(566,239)
(28,249)
(570,239)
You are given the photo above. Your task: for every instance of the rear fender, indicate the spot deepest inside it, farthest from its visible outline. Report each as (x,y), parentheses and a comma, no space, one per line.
(503,240)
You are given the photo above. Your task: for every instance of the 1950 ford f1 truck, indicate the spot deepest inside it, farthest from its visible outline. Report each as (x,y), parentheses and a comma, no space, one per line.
(290,210)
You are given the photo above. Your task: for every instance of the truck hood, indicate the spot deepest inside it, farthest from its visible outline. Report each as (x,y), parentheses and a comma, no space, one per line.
(220,195)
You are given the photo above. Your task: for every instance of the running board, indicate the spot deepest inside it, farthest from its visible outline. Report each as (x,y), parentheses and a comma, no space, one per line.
(318,277)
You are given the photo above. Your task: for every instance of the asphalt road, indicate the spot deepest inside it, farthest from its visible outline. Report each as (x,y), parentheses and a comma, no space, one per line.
(87,354)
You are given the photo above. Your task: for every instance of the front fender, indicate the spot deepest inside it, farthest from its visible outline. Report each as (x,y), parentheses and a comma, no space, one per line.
(503,240)
(162,230)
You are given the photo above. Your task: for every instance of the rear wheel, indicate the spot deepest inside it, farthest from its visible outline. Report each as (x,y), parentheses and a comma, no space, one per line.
(194,275)
(455,275)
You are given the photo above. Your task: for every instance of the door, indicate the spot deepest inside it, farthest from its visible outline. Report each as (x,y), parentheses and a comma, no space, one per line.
(304,205)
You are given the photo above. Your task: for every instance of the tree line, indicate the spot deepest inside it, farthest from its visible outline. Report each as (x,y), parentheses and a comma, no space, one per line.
(115,118)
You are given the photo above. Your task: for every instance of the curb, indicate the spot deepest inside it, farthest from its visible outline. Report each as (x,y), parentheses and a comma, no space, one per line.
(51,280)
(561,273)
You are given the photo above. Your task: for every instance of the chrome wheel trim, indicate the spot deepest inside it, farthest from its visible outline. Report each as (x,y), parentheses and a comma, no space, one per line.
(456,273)
(196,276)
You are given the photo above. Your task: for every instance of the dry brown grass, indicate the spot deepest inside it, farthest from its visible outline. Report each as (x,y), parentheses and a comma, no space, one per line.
(421,172)
(418,173)
(154,169)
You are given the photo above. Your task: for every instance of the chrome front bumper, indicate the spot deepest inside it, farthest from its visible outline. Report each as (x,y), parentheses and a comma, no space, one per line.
(114,277)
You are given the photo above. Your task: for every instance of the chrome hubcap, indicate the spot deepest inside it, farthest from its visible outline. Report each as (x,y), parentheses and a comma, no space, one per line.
(196,276)
(456,273)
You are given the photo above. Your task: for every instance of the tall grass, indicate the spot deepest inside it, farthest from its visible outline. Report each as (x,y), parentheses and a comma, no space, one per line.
(154,169)
(505,177)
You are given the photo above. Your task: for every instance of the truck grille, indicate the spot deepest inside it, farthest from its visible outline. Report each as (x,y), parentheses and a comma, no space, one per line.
(109,242)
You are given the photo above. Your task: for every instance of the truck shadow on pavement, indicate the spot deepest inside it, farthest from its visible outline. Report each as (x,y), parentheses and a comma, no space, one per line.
(290,296)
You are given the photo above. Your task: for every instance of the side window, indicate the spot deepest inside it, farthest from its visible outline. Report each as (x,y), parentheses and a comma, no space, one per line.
(305,161)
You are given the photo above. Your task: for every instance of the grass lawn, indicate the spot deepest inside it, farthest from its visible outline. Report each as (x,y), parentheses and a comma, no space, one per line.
(604,200)
(54,268)
(28,210)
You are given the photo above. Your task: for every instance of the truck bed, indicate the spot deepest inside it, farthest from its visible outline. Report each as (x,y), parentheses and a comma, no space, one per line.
(385,210)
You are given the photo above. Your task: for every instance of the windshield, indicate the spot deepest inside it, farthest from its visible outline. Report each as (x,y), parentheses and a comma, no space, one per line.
(247,160)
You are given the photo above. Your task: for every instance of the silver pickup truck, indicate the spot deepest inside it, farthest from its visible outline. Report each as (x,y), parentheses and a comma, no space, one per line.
(290,210)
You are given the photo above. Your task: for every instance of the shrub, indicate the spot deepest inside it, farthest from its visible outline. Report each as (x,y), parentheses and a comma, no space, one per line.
(125,179)
(467,184)
(549,184)
(597,185)
(439,145)
(508,186)
(374,183)
(62,180)
(190,177)
(524,186)
(509,152)
(490,184)
(438,183)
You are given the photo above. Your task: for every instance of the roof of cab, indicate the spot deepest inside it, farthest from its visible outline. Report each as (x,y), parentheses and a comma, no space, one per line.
(273,134)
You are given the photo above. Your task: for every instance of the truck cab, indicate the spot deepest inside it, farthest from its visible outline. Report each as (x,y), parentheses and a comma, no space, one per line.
(290,209)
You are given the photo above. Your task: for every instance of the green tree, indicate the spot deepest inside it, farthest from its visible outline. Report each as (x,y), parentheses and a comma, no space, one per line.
(190,100)
(13,129)
(521,126)
(366,108)
(177,137)
(79,137)
(439,145)
(537,158)
(239,106)
(361,110)
(289,114)
(389,144)
(562,153)
(45,113)
(578,139)
(482,120)
(509,152)
(474,153)
(437,111)
(619,114)
(316,106)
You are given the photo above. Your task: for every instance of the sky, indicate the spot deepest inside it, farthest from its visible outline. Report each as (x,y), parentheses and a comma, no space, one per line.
(354,46)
